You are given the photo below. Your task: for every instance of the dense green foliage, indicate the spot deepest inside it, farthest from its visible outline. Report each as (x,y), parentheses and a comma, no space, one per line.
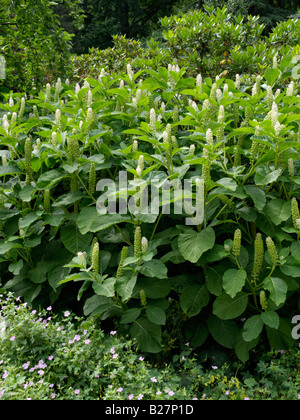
(34,45)
(236,141)
(49,357)
(140,19)
(209,42)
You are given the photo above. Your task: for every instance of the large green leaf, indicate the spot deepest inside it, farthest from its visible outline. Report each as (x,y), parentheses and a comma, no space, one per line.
(281,338)
(252,328)
(264,175)
(277,288)
(153,288)
(39,273)
(89,220)
(125,286)
(147,334)
(233,281)
(107,288)
(193,299)
(226,307)
(154,268)
(258,196)
(49,178)
(278,211)
(67,199)
(96,305)
(224,332)
(193,244)
(72,239)
(271,319)
(156,315)
(242,347)
(271,75)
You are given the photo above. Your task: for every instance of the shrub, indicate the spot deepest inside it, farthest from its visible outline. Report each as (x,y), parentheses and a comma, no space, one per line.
(210,42)
(230,275)
(36,49)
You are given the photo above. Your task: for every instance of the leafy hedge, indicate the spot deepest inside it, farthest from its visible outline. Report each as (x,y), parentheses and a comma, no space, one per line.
(210,42)
(233,276)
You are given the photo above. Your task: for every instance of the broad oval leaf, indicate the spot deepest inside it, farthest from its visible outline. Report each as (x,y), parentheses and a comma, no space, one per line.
(193,244)
(193,299)
(226,307)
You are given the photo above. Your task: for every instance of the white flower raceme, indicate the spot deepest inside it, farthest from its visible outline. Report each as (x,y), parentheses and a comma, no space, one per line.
(48,93)
(209,137)
(144,245)
(77,88)
(135,146)
(89,98)
(89,115)
(152,123)
(11,102)
(192,150)
(290,89)
(102,74)
(129,71)
(221,116)
(5,123)
(270,96)
(219,95)
(274,114)
(57,119)
(141,162)
(237,82)
(199,83)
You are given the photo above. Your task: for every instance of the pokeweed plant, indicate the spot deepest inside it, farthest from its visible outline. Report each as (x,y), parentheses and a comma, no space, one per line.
(78,163)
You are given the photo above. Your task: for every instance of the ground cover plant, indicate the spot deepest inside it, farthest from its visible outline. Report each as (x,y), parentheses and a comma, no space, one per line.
(221,255)
(47,356)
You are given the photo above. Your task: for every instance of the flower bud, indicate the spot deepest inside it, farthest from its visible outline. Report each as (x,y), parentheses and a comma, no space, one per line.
(47,200)
(143,298)
(144,245)
(135,146)
(263,300)
(291,167)
(95,257)
(124,255)
(272,250)
(209,137)
(295,212)
(137,241)
(258,256)
(152,123)
(236,247)
(82,258)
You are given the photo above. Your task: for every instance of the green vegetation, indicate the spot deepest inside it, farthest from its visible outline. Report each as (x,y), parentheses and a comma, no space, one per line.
(153,191)
(49,357)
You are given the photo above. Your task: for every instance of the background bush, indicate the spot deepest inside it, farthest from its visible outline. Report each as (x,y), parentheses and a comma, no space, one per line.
(209,41)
